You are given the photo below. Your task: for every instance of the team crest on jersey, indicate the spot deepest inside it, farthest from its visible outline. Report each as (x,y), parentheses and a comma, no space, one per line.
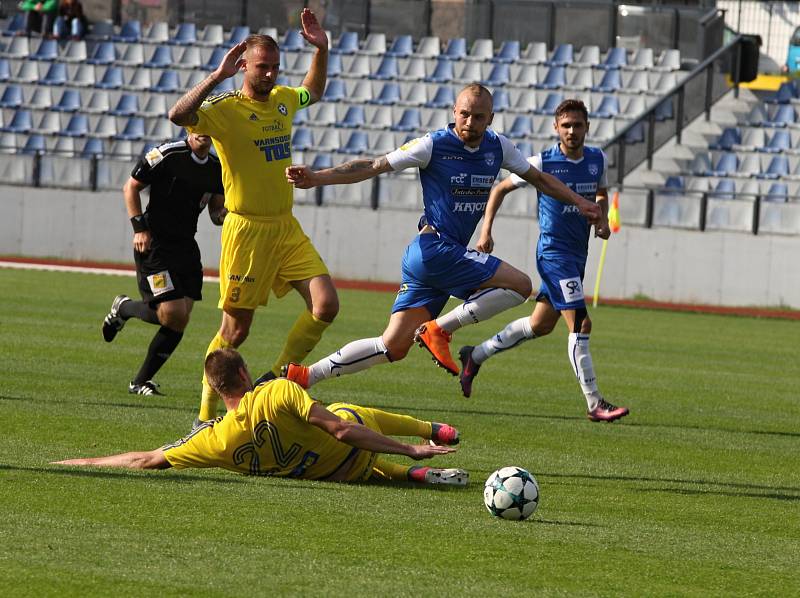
(282,109)
(489,159)
(593,169)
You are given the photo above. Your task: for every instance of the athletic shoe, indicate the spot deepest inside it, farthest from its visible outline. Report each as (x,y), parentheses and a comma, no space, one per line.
(296,373)
(443,434)
(432,475)
(266,377)
(437,341)
(113,322)
(469,369)
(147,389)
(606,412)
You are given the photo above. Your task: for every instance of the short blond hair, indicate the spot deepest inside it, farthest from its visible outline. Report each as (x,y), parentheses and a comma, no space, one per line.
(257,40)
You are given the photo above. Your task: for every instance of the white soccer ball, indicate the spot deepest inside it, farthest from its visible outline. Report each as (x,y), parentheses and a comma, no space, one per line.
(511,493)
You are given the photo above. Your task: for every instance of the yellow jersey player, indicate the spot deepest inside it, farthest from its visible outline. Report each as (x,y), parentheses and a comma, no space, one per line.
(263,246)
(277,429)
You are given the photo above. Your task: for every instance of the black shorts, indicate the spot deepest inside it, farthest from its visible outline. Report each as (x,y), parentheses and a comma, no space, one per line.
(169,273)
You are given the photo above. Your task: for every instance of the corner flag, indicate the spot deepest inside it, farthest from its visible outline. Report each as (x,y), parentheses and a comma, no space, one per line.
(614,225)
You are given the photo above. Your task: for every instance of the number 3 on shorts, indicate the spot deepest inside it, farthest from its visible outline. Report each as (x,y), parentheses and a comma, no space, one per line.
(476,256)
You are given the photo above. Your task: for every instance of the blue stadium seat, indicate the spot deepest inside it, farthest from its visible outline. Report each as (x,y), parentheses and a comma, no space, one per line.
(556,78)
(134,129)
(5,69)
(78,126)
(35,144)
(335,91)
(293,41)
(664,110)
(456,49)
(353,118)
(15,24)
(12,97)
(410,120)
(729,137)
(725,189)
(508,52)
(224,86)
(778,193)
(128,105)
(757,116)
(111,79)
(168,82)
(550,104)
(47,50)
(783,116)
(726,165)
(616,58)
(322,161)
(300,118)
(239,33)
(563,55)
(674,185)
(501,101)
(303,139)
(780,142)
(334,65)
(387,69)
(346,44)
(161,58)
(442,72)
(56,74)
(525,148)
(785,94)
(93,147)
(103,53)
(610,83)
(130,32)
(521,127)
(357,143)
(402,46)
(498,76)
(389,94)
(778,168)
(216,57)
(70,101)
(636,133)
(443,98)
(21,122)
(101,30)
(185,35)
(608,108)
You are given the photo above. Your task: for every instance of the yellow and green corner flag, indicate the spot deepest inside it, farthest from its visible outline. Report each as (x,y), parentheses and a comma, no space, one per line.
(613,225)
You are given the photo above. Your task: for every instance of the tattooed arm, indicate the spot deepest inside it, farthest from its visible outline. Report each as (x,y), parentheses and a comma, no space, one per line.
(353,171)
(184,112)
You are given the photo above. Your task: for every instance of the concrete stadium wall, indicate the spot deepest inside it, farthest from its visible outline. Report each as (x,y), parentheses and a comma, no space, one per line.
(715,268)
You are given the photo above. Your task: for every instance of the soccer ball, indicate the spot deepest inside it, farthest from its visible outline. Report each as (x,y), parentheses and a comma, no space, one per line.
(511,493)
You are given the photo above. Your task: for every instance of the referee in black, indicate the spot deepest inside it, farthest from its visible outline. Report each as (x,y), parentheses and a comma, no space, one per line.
(183,178)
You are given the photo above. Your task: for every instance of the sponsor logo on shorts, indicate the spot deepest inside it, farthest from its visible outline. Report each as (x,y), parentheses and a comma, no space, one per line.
(160,283)
(241,278)
(572,289)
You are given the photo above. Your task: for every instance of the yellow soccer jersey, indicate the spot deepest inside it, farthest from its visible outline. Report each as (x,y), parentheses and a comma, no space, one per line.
(253,141)
(269,434)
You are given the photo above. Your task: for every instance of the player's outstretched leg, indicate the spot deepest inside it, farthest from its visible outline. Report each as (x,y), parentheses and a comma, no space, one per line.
(388,470)
(122,309)
(353,357)
(598,409)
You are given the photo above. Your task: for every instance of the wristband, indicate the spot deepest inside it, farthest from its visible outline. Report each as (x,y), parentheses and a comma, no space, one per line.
(139,224)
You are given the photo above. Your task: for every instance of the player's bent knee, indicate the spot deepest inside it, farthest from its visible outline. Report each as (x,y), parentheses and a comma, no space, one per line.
(327,310)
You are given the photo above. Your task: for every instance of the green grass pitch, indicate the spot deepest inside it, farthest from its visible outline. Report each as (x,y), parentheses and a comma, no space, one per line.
(697,492)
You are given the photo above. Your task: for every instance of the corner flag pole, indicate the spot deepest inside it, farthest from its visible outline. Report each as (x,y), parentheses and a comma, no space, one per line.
(614,226)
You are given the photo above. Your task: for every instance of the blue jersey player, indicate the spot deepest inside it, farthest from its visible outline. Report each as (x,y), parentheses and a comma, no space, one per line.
(458,166)
(560,257)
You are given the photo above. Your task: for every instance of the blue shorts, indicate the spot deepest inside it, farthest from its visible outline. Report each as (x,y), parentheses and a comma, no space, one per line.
(562,281)
(435,269)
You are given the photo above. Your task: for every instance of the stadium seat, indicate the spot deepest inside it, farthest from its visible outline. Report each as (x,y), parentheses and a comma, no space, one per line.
(610,83)
(47,50)
(556,78)
(353,118)
(701,165)
(190,58)
(303,139)
(160,129)
(127,105)
(19,47)
(111,79)
(501,101)
(757,116)
(300,118)
(498,76)
(409,121)
(64,146)
(160,58)
(133,55)
(323,115)
(749,166)
(93,147)
(606,129)
(12,97)
(40,99)
(214,59)
(783,116)
(442,72)
(468,72)
(415,95)
(357,143)
(185,35)
(212,36)
(428,47)
(642,60)
(727,165)
(292,41)
(780,142)
(329,141)
(777,193)
(563,55)
(548,107)
(15,24)
(527,76)
(636,105)
(98,102)
(456,49)
(78,126)
(674,185)
(753,140)
(525,148)
(634,135)
(616,58)
(725,189)
(28,72)
(70,101)
(535,53)
(5,69)
(389,94)
(581,80)
(356,67)
(402,46)
(49,124)
(785,94)
(381,143)
(335,91)
(361,92)
(101,30)
(346,44)
(133,130)
(670,60)
(157,106)
(664,110)
(588,56)
(302,64)
(374,45)
(56,74)
(35,144)
(482,50)
(729,137)
(608,108)
(508,52)
(157,33)
(75,51)
(9,144)
(664,83)
(415,70)
(778,167)
(224,86)
(637,82)
(444,97)
(521,127)
(239,33)
(129,33)
(387,69)
(140,79)
(381,118)
(168,82)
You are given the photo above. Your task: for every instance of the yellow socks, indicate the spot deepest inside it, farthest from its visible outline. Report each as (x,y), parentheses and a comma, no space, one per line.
(209,399)
(302,338)
(390,471)
(393,424)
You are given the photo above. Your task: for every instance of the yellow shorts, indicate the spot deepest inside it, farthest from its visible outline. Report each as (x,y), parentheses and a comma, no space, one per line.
(263,254)
(363,461)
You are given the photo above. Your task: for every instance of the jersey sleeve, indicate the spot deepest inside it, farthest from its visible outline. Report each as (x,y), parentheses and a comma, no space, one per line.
(295,400)
(210,118)
(415,153)
(536,162)
(513,160)
(301,97)
(148,166)
(198,449)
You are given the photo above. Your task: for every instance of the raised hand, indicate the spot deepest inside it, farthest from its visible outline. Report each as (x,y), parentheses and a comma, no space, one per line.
(312,31)
(231,62)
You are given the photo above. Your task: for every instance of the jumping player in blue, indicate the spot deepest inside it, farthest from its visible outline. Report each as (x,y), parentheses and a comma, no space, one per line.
(458,166)
(560,257)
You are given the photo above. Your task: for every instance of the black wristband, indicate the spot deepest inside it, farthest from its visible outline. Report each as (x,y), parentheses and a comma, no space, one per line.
(139,224)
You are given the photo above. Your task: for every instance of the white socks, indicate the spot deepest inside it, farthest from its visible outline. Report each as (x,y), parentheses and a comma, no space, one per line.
(516,332)
(353,357)
(581,360)
(482,305)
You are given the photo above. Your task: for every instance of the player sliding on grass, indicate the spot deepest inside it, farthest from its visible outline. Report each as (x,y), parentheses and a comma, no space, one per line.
(458,166)
(276,429)
(560,257)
